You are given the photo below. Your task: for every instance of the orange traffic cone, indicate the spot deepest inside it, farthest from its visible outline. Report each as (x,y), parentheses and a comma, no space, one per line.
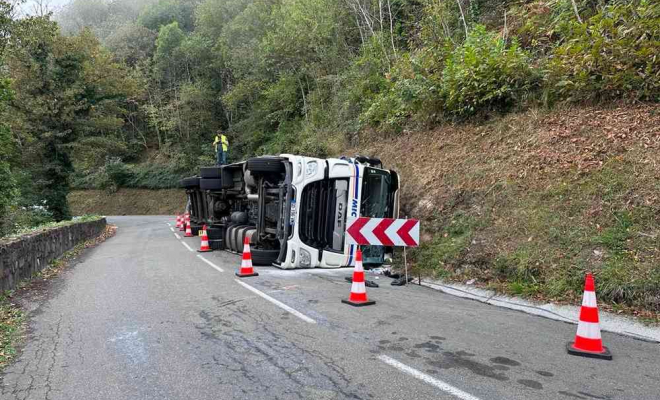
(588,342)
(204,248)
(358,296)
(188,230)
(246,265)
(184,220)
(178,221)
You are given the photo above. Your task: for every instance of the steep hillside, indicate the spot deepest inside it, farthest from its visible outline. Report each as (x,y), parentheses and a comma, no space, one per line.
(127,202)
(528,202)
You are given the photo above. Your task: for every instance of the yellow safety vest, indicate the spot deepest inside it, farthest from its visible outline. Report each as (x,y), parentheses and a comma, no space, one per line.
(221,139)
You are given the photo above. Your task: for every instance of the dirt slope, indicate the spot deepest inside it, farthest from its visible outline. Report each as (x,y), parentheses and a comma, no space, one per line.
(127,202)
(528,202)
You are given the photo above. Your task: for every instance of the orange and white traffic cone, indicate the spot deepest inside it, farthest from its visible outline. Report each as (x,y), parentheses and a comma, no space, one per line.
(188,230)
(358,296)
(204,248)
(246,265)
(588,342)
(178,221)
(183,223)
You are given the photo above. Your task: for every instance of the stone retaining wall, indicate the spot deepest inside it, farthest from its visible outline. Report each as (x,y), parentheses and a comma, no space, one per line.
(20,258)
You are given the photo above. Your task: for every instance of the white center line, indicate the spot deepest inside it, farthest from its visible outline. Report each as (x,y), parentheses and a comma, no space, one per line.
(210,263)
(172,229)
(277,303)
(445,387)
(177,235)
(187,247)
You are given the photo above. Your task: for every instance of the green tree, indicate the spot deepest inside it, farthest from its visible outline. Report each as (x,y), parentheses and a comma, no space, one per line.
(165,12)
(66,88)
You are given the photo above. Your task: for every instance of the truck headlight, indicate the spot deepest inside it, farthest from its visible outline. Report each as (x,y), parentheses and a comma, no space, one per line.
(305,258)
(312,168)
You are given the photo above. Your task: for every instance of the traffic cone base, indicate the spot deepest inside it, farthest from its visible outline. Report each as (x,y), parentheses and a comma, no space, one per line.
(240,275)
(358,304)
(604,355)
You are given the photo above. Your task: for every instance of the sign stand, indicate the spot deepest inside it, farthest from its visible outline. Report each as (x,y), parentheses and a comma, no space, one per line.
(405,261)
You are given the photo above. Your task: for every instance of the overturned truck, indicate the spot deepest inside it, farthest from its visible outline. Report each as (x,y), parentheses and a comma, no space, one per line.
(293,209)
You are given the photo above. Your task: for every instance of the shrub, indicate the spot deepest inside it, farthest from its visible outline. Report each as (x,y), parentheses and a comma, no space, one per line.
(412,91)
(485,73)
(117,172)
(614,54)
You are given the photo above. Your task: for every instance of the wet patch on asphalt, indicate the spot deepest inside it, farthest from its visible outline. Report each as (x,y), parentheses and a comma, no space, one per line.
(428,346)
(505,361)
(451,360)
(530,384)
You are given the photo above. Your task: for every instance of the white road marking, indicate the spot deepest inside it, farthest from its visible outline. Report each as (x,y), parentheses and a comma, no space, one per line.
(168,223)
(445,387)
(172,229)
(177,235)
(210,263)
(187,247)
(277,303)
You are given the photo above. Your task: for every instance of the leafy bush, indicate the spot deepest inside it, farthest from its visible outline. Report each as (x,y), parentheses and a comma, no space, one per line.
(484,73)
(612,55)
(156,176)
(118,173)
(412,92)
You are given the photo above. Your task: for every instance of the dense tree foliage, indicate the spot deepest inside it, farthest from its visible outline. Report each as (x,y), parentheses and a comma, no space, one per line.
(124,91)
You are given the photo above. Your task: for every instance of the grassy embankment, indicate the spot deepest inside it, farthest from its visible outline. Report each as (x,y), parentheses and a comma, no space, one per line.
(527,203)
(128,202)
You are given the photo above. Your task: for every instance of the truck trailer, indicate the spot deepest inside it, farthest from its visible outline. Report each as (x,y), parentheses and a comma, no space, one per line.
(293,209)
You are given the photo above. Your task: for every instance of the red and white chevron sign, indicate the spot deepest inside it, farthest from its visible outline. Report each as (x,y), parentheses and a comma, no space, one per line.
(384,232)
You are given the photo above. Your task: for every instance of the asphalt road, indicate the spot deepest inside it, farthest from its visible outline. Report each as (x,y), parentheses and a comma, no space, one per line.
(142,317)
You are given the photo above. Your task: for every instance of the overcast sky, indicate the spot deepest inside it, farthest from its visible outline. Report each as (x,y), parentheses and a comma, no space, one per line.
(28,7)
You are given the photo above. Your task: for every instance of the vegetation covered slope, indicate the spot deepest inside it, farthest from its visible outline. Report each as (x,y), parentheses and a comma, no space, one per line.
(128,202)
(528,202)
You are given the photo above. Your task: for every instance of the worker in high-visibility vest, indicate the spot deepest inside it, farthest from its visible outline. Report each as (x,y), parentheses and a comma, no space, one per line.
(221,144)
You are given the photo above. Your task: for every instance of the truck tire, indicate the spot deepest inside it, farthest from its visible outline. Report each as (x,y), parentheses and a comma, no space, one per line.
(239,237)
(210,184)
(229,238)
(211,172)
(217,244)
(266,165)
(189,183)
(264,257)
(215,233)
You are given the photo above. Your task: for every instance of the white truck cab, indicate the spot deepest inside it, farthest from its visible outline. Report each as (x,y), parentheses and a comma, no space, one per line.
(328,195)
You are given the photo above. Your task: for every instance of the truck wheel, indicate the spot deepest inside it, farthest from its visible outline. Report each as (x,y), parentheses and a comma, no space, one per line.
(215,233)
(264,257)
(211,172)
(232,237)
(266,165)
(239,236)
(229,238)
(210,184)
(189,183)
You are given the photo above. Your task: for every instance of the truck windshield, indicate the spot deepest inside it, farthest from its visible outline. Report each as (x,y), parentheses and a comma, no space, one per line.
(375,193)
